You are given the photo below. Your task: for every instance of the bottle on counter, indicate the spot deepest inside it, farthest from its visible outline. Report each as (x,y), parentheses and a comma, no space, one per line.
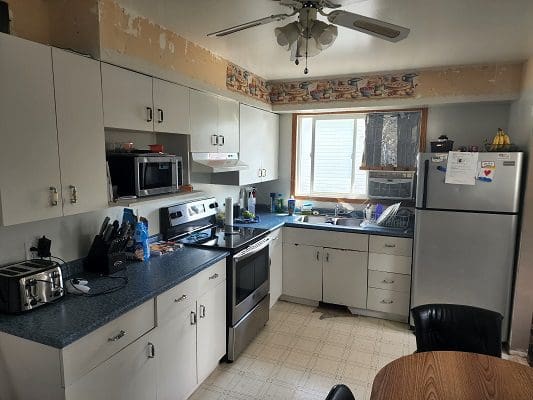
(291,205)
(279,203)
(272,202)
(251,201)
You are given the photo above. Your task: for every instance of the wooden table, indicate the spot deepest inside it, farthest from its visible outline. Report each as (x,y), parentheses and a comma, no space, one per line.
(451,375)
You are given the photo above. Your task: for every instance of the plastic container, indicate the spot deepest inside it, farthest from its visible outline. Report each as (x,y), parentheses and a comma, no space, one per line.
(279,203)
(291,206)
(272,202)
(141,239)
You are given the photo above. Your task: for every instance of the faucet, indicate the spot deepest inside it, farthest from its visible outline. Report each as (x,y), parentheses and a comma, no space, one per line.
(338,209)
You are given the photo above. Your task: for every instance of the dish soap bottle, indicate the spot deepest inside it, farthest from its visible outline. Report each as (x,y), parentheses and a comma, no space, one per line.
(291,205)
(279,203)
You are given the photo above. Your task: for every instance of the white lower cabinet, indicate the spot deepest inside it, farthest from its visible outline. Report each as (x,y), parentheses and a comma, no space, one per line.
(337,267)
(211,332)
(176,357)
(345,277)
(128,375)
(162,349)
(302,271)
(191,332)
(276,265)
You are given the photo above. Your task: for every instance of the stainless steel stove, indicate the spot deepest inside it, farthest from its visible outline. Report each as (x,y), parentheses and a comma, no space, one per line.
(248,267)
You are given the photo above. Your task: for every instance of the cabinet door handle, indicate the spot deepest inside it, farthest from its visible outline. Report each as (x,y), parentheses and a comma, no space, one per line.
(264,172)
(193,318)
(387,301)
(388,281)
(73,194)
(214,276)
(118,336)
(259,172)
(202,311)
(327,257)
(221,143)
(180,299)
(54,197)
(214,140)
(151,350)
(149,114)
(390,245)
(160,115)
(318,255)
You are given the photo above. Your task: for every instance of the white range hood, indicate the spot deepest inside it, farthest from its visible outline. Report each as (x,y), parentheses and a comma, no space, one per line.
(217,162)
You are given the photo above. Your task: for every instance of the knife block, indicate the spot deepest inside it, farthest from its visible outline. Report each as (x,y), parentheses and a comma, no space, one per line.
(104,258)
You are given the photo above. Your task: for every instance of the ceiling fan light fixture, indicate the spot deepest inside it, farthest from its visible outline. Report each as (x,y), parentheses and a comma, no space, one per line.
(287,35)
(325,35)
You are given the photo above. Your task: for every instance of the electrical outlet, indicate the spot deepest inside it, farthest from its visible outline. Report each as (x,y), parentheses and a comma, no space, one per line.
(28,245)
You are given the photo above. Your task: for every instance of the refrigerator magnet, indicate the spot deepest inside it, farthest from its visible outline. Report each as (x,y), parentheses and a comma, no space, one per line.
(486,172)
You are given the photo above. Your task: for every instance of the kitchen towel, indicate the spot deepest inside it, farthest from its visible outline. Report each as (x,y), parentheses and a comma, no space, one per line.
(229,211)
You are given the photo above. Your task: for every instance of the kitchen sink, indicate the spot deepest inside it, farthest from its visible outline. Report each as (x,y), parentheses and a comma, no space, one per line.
(348,221)
(317,219)
(327,219)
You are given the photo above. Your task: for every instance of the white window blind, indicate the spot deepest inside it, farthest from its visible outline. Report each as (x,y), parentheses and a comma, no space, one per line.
(329,153)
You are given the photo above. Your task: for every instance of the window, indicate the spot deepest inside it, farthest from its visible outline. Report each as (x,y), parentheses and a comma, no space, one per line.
(329,155)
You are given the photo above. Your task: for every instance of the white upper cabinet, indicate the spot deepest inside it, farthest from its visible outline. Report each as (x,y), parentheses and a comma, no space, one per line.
(171,107)
(214,123)
(228,125)
(29,163)
(127,100)
(80,132)
(259,139)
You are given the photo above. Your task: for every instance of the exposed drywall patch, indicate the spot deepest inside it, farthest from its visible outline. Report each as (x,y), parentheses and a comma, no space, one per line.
(154,43)
(30,20)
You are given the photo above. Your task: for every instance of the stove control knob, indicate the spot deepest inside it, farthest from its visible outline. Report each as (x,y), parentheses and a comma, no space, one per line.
(213,205)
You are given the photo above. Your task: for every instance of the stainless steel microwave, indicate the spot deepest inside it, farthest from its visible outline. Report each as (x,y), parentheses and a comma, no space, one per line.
(145,174)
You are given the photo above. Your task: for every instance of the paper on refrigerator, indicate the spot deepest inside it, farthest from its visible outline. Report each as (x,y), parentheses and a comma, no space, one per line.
(462,168)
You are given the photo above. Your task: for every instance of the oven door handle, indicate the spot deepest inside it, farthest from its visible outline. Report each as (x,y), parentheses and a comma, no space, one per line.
(257,248)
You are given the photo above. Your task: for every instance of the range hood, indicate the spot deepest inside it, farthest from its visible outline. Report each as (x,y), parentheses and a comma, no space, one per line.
(217,162)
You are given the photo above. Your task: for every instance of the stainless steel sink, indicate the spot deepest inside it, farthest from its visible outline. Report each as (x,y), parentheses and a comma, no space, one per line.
(331,220)
(348,221)
(317,219)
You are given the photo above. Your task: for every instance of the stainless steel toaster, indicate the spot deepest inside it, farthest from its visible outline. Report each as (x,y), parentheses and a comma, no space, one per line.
(29,284)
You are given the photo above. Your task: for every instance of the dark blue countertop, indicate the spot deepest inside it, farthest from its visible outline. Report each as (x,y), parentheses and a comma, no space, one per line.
(73,317)
(273,221)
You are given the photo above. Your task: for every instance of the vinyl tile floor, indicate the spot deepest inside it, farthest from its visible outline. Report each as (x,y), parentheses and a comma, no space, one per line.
(303,351)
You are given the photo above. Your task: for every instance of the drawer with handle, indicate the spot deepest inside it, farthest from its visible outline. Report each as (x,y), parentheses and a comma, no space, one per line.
(173,302)
(211,277)
(391,245)
(388,301)
(88,352)
(389,281)
(389,263)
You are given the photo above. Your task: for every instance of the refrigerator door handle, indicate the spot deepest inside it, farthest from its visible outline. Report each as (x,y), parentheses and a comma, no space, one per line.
(425,184)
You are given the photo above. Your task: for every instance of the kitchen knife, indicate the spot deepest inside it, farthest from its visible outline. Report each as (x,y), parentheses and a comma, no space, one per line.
(107,233)
(114,230)
(104,226)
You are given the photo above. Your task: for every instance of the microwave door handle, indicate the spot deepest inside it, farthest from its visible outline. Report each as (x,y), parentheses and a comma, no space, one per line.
(245,254)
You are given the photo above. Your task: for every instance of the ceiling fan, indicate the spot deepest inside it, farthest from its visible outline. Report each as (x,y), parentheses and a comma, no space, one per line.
(307,36)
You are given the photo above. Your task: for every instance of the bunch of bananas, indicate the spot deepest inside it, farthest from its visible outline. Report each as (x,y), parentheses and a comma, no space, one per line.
(501,138)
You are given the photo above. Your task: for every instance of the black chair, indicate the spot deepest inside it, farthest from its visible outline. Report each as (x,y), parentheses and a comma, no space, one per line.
(340,392)
(454,327)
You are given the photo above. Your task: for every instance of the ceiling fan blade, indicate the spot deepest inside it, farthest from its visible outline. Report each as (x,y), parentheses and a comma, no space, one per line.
(251,24)
(371,26)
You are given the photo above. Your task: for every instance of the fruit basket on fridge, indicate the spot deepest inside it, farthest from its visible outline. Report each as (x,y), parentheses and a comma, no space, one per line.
(501,143)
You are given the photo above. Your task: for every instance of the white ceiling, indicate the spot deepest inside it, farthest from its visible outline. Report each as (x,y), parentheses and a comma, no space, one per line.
(443,32)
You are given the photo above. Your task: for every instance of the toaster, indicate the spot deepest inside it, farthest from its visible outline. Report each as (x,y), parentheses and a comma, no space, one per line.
(29,284)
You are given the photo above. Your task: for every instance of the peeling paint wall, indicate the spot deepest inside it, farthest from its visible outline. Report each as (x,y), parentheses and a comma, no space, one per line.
(61,23)
(30,20)
(124,33)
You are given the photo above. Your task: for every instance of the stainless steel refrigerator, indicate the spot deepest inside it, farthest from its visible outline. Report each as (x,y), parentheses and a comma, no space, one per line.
(465,235)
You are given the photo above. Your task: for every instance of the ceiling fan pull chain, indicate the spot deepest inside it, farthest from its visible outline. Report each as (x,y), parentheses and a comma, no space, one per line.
(306,70)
